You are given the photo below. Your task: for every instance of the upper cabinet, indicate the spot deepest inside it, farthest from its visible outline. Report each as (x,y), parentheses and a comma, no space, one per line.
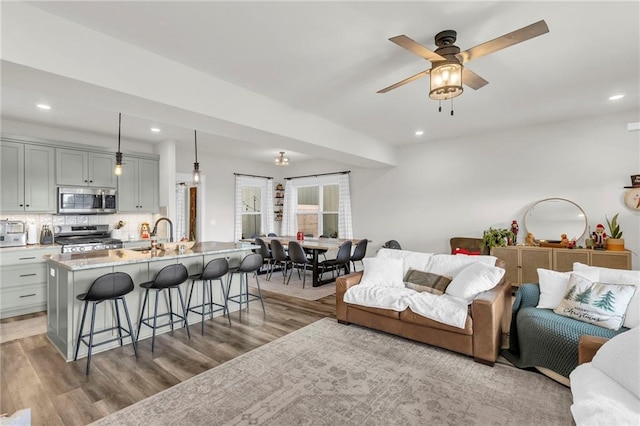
(27,178)
(82,168)
(138,186)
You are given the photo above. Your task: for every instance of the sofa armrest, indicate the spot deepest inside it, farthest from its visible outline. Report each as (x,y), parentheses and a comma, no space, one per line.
(588,346)
(342,285)
(489,311)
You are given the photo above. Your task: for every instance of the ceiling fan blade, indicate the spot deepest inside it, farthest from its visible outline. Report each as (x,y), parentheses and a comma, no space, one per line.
(472,79)
(415,47)
(405,81)
(514,37)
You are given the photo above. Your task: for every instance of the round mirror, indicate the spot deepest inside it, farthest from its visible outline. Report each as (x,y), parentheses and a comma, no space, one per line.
(550,218)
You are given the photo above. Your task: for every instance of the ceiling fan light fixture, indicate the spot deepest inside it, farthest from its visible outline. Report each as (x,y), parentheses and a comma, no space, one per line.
(446,81)
(281,160)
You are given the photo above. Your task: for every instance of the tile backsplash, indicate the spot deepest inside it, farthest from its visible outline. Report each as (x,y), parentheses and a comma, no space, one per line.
(131,230)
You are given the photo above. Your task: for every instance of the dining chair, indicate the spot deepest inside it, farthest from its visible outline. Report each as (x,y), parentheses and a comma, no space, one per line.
(267,257)
(298,260)
(343,257)
(280,258)
(359,253)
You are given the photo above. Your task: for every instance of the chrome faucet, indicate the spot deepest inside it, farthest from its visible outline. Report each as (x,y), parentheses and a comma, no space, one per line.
(155,228)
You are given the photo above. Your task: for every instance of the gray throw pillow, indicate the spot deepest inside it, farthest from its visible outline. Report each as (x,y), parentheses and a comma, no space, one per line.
(426,281)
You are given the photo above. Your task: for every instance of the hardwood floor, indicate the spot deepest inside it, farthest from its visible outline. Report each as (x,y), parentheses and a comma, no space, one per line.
(35,375)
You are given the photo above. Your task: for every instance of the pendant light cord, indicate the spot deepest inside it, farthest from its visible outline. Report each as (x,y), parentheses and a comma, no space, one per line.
(119,126)
(195,137)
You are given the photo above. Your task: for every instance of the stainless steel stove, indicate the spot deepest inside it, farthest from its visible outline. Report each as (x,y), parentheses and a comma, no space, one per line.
(85,238)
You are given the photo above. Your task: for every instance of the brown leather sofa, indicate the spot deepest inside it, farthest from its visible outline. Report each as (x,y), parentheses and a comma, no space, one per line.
(489,317)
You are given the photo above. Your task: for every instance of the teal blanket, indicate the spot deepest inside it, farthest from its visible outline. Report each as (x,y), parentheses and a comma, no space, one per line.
(542,338)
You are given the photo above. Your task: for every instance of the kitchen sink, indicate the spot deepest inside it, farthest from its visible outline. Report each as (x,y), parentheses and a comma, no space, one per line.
(140,249)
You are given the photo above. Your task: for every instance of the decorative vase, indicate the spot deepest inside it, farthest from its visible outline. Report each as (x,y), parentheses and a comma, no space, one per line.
(615,244)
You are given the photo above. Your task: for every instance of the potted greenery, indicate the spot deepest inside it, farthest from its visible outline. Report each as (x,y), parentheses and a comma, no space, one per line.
(499,237)
(615,241)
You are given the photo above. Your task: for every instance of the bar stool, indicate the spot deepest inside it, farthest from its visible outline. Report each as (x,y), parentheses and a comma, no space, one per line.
(251,263)
(112,286)
(214,270)
(168,278)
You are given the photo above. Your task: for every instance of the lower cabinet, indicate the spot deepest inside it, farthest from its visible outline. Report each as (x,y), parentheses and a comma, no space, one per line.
(522,262)
(23,281)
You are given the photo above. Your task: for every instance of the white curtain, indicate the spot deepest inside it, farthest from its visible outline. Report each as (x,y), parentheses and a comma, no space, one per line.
(182,212)
(268,216)
(345,225)
(266,203)
(289,217)
(237,234)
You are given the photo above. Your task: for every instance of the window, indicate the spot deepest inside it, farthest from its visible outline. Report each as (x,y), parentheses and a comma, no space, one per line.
(253,206)
(317,210)
(251,211)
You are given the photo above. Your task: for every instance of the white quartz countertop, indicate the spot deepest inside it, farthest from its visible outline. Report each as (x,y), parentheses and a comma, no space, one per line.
(104,258)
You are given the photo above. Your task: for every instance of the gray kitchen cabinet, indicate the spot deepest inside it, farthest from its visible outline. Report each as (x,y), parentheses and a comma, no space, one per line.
(84,168)
(27,178)
(138,186)
(23,280)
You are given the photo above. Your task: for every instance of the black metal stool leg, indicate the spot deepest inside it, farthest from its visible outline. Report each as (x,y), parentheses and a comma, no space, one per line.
(144,304)
(184,311)
(224,297)
(155,321)
(84,314)
(204,299)
(260,294)
(168,294)
(93,322)
(115,304)
(133,339)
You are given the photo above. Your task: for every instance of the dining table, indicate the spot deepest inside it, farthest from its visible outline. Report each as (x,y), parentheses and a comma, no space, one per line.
(315,246)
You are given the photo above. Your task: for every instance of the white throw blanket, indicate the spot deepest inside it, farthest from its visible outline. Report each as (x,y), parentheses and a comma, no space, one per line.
(444,308)
(600,410)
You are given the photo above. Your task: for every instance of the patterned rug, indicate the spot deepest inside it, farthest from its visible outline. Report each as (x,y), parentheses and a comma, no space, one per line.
(332,374)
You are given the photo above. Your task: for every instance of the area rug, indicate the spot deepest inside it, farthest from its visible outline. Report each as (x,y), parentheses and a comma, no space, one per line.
(294,289)
(334,374)
(24,328)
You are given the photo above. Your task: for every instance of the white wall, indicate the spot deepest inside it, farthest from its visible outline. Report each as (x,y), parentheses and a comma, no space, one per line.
(220,187)
(461,187)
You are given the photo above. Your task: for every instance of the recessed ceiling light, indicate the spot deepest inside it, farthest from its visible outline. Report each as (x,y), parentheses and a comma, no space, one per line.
(419,132)
(155,130)
(615,97)
(43,106)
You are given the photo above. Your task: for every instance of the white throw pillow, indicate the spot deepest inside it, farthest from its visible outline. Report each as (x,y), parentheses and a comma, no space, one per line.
(618,359)
(619,276)
(473,280)
(382,272)
(596,303)
(553,285)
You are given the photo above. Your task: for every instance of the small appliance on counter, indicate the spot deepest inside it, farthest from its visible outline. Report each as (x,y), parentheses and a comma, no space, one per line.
(32,234)
(46,235)
(12,233)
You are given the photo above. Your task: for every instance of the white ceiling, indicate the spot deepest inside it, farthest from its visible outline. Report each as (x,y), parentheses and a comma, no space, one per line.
(328,59)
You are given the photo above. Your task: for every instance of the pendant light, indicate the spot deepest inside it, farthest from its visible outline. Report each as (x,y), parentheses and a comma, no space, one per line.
(196,165)
(118,170)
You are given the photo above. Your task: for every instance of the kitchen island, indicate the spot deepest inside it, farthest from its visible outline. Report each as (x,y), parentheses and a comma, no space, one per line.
(69,275)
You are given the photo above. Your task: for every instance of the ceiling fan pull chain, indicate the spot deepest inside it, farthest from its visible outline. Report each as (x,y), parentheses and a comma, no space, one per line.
(452,107)
(439,105)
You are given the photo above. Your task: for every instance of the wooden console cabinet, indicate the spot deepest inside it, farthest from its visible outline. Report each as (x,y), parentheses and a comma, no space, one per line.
(522,262)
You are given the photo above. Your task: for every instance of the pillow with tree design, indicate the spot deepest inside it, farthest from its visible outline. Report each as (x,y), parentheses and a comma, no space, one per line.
(597,303)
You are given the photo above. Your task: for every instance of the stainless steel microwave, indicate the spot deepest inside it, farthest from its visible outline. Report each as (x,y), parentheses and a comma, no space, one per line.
(86,201)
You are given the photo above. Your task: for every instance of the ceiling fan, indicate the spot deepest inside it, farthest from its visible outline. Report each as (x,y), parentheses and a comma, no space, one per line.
(448,72)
